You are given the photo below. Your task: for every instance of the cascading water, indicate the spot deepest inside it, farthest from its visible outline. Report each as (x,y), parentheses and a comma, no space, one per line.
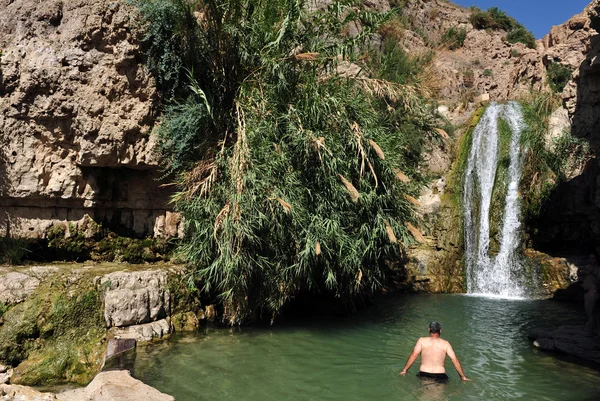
(498,275)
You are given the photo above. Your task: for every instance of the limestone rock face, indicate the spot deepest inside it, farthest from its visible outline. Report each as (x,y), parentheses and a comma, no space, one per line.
(144,332)
(76,110)
(16,286)
(486,64)
(115,386)
(571,218)
(132,298)
(582,95)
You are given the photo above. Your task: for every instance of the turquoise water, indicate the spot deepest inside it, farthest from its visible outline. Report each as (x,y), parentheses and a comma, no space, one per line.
(360,357)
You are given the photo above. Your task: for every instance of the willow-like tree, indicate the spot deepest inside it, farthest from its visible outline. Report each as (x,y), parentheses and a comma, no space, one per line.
(295,146)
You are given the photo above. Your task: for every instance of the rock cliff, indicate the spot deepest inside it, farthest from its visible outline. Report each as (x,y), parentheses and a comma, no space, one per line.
(76,110)
(570,222)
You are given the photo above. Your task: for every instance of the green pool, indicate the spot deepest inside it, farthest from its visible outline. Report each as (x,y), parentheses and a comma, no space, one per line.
(360,357)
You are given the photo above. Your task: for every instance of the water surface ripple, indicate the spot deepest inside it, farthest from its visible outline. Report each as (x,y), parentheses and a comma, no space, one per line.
(359,358)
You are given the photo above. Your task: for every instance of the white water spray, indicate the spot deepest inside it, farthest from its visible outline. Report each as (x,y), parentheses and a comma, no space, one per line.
(498,275)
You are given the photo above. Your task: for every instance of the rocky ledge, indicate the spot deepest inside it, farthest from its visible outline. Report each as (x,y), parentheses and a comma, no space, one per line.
(568,340)
(107,386)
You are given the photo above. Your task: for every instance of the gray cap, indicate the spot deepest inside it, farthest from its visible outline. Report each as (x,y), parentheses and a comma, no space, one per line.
(435,327)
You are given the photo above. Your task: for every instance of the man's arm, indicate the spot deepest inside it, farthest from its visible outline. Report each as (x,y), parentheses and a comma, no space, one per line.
(456,363)
(412,358)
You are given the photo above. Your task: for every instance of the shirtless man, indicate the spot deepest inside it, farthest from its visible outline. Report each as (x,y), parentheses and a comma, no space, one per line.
(433,352)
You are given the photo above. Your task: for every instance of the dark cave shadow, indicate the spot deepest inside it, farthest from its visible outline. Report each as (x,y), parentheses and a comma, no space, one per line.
(569,222)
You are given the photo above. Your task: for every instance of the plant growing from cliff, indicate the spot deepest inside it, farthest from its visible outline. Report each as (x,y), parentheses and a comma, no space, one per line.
(496,19)
(545,165)
(520,34)
(296,153)
(558,76)
(454,38)
(169,45)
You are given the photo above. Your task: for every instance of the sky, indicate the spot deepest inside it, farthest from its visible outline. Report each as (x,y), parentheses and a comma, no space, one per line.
(537,15)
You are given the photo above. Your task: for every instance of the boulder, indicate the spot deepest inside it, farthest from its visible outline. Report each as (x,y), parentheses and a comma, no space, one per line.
(570,340)
(132,298)
(115,386)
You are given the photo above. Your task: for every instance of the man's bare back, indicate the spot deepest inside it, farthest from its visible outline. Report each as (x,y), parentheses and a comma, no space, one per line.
(433,351)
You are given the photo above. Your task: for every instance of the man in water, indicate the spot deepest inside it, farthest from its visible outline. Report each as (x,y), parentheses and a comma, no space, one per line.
(433,352)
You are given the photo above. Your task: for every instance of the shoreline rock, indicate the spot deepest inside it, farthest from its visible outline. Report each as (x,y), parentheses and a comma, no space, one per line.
(568,340)
(116,385)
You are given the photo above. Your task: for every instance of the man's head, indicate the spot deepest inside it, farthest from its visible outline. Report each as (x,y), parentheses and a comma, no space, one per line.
(435,328)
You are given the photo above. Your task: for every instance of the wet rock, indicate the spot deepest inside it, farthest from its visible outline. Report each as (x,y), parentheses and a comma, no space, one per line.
(143,332)
(132,298)
(210,313)
(117,346)
(115,386)
(570,340)
(187,321)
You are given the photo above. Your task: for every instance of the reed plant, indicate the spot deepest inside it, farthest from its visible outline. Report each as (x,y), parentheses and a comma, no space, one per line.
(292,147)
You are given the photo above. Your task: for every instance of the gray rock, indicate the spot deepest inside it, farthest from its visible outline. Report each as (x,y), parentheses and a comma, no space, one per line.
(133,298)
(15,287)
(143,332)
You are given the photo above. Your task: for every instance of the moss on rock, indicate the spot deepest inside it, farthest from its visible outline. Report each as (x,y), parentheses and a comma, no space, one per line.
(56,334)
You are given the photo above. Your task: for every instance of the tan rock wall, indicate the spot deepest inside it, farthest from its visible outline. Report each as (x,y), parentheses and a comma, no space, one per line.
(76,109)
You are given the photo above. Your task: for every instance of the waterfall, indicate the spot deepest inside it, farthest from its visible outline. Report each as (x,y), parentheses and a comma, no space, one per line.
(500,274)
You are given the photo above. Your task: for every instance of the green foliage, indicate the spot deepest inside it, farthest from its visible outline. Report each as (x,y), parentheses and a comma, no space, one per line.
(287,151)
(558,76)
(463,151)
(496,19)
(498,201)
(170,40)
(520,34)
(493,18)
(514,53)
(454,38)
(94,243)
(18,332)
(14,251)
(71,331)
(71,244)
(544,165)
(487,73)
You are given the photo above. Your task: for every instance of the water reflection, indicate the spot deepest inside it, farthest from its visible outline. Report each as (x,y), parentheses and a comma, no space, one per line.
(360,358)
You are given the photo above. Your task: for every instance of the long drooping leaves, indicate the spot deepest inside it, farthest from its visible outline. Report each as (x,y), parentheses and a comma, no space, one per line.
(294,154)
